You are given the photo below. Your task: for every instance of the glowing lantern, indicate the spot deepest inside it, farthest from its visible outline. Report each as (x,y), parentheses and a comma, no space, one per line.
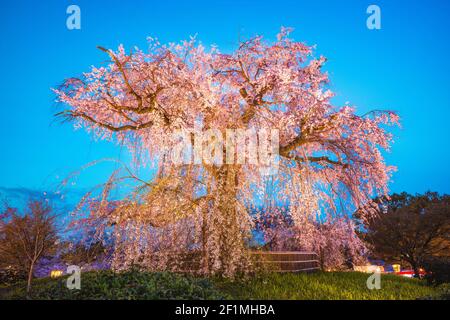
(56,273)
(396,267)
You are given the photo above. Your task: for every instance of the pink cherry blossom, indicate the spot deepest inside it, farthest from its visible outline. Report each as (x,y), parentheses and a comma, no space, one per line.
(330,157)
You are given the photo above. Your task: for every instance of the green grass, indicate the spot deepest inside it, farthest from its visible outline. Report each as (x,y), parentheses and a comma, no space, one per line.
(143,285)
(325,286)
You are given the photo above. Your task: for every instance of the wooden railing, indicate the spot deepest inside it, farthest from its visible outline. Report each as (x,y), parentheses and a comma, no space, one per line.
(286,261)
(272,261)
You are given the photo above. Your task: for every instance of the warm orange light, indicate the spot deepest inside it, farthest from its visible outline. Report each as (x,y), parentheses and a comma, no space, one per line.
(396,267)
(56,273)
(369,268)
(380,268)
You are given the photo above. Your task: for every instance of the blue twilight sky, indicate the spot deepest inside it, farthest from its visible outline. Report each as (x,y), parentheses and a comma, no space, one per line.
(405,66)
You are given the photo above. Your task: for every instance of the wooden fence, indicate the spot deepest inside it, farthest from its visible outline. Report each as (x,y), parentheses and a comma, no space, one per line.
(286,261)
(272,261)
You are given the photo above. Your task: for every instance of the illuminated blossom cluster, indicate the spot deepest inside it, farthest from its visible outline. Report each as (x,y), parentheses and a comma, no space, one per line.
(330,159)
(335,241)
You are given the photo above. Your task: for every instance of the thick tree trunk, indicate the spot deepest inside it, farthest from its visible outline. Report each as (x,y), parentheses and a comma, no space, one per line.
(228,235)
(415,267)
(413,261)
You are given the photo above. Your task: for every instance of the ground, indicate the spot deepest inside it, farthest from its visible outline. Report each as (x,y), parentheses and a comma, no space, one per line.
(142,285)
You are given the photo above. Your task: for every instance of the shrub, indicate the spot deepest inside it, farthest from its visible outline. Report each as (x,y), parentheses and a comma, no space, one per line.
(107,285)
(11,275)
(438,270)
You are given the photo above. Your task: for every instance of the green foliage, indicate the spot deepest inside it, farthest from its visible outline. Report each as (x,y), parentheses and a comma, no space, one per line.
(105,285)
(143,285)
(438,270)
(10,276)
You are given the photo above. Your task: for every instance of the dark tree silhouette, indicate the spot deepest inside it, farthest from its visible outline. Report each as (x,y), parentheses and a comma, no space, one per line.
(410,228)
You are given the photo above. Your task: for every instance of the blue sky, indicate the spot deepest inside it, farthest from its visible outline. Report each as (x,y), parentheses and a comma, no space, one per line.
(404,67)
